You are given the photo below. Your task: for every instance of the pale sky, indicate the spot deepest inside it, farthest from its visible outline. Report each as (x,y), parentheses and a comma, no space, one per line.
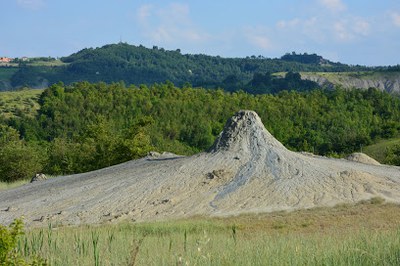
(365,32)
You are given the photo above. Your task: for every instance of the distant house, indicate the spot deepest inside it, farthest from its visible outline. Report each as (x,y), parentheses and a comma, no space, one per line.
(24,59)
(5,60)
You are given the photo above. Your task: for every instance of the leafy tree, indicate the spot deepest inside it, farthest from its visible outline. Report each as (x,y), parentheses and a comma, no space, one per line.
(304,58)
(136,141)
(392,155)
(18,159)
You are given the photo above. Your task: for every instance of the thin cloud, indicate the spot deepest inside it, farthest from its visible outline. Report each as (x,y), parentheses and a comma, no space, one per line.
(31,4)
(342,32)
(144,12)
(260,41)
(309,27)
(171,24)
(333,5)
(282,24)
(349,30)
(361,27)
(325,29)
(396,19)
(258,37)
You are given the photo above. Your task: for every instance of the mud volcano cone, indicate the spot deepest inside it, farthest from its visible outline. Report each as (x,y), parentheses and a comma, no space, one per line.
(262,158)
(245,133)
(245,137)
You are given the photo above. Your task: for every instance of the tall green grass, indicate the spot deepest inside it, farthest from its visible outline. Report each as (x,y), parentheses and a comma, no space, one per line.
(209,242)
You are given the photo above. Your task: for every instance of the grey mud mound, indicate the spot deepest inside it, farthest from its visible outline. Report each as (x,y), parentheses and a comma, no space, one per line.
(362,158)
(246,170)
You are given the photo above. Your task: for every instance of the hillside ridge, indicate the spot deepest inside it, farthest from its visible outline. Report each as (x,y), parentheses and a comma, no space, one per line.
(140,65)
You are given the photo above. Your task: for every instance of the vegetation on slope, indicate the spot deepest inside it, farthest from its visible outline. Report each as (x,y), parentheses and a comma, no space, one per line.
(386,151)
(18,103)
(87,126)
(7,72)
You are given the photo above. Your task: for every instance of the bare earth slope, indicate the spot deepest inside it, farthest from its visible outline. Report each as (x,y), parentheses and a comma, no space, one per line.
(246,170)
(389,82)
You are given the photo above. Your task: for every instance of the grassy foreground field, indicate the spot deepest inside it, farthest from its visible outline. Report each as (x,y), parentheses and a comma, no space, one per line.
(363,234)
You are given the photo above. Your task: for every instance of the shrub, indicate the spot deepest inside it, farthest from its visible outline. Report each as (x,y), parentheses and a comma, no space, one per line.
(9,254)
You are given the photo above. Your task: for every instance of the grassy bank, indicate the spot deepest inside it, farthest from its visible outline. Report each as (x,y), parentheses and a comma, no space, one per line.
(378,150)
(10,185)
(362,234)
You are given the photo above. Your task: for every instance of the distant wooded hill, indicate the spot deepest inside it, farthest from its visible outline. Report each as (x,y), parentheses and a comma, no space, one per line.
(140,65)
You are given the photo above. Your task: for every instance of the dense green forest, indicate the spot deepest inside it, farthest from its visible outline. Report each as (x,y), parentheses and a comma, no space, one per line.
(86,126)
(140,65)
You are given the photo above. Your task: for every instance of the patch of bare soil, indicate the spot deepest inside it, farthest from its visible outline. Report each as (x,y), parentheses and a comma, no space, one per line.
(362,158)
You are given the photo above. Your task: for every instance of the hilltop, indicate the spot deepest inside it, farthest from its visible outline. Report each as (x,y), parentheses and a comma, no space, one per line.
(140,65)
